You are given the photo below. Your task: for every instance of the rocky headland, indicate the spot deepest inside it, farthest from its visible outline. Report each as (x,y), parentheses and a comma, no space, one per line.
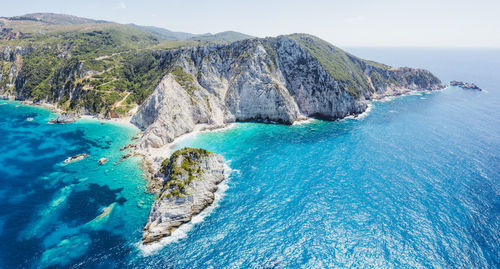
(185,185)
(282,80)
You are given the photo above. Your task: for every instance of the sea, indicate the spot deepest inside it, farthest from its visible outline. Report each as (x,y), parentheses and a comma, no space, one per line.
(414,182)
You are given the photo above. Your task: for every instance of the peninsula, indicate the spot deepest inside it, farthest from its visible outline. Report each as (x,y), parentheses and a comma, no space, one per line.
(185,184)
(176,83)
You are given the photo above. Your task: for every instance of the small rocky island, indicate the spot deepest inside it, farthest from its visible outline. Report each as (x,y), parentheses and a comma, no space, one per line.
(185,185)
(465,85)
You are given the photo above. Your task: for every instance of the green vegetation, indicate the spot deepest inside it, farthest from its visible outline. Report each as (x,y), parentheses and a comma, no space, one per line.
(228,37)
(187,81)
(84,64)
(182,168)
(342,66)
(107,68)
(91,66)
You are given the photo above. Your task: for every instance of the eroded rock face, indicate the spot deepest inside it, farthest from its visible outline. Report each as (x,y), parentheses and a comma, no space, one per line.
(275,79)
(185,185)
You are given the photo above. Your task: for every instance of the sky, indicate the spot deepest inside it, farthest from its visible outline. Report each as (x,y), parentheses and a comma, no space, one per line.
(375,23)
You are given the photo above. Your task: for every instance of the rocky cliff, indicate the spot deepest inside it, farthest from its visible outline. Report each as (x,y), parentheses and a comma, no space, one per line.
(283,79)
(185,185)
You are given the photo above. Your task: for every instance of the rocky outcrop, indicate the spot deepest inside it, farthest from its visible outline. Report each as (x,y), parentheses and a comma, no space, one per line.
(281,79)
(64,118)
(185,185)
(465,85)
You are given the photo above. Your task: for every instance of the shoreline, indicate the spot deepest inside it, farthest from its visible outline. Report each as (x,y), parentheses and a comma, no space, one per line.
(152,157)
(125,121)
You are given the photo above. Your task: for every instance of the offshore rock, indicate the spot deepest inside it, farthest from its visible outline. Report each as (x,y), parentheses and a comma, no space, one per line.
(186,185)
(65,118)
(465,85)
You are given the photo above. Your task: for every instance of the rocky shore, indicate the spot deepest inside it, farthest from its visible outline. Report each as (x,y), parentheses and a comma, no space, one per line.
(185,186)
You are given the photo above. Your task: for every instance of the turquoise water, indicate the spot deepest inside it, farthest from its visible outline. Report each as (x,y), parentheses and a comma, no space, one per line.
(50,213)
(414,183)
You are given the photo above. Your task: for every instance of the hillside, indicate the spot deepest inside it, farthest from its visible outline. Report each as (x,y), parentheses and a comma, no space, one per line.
(106,68)
(280,79)
(228,36)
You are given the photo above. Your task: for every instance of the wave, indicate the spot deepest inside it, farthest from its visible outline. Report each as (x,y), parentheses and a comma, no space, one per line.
(362,115)
(183,230)
(305,121)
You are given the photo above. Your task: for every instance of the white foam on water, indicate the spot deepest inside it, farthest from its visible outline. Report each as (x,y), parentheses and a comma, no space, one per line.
(302,122)
(362,115)
(182,231)
(386,99)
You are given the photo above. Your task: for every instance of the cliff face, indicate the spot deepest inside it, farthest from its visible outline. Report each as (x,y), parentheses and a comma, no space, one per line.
(281,79)
(186,185)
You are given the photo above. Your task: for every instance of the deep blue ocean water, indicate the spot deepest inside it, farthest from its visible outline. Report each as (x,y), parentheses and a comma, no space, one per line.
(414,183)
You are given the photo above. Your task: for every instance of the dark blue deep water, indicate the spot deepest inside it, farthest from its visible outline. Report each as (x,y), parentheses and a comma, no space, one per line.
(414,183)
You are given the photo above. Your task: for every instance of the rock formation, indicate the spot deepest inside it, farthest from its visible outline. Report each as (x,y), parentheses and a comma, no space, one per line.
(465,85)
(64,118)
(185,184)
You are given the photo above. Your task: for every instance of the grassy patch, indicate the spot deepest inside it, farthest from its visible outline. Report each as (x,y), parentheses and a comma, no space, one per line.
(342,66)
(182,168)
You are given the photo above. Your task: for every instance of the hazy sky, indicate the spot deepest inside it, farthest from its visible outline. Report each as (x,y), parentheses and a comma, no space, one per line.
(429,23)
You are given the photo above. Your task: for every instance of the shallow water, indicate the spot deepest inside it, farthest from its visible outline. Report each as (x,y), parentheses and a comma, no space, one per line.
(414,183)
(53,214)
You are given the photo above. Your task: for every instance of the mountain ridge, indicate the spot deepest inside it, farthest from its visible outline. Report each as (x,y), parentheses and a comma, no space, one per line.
(56,19)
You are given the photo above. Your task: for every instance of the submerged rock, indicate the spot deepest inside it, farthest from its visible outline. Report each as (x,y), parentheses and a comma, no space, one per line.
(186,184)
(127,147)
(125,156)
(65,118)
(75,158)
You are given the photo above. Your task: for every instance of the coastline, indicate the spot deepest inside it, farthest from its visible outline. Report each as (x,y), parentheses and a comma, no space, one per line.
(152,157)
(125,121)
(118,121)
(166,151)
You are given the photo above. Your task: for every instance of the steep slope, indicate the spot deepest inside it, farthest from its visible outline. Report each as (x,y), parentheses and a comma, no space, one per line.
(281,79)
(83,65)
(86,68)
